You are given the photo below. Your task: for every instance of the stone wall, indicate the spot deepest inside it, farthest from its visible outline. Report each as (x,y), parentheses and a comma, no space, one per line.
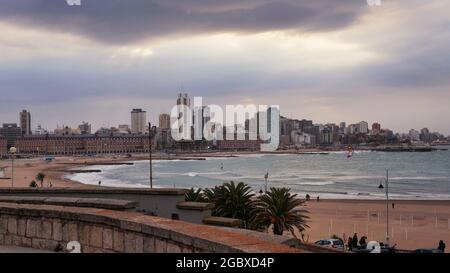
(98,230)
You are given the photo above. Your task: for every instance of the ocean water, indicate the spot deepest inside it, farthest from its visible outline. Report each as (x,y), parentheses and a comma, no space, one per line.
(412,175)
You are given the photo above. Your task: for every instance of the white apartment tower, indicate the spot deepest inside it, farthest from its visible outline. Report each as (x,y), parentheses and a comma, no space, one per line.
(138,121)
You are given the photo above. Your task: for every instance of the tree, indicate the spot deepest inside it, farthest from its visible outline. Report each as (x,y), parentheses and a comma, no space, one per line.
(280,209)
(33,184)
(40,177)
(232,200)
(193,195)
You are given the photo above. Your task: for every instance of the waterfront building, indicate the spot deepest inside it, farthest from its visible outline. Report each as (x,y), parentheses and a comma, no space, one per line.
(11,132)
(376,128)
(124,129)
(425,135)
(25,122)
(39,130)
(85,128)
(363,127)
(414,135)
(66,130)
(164,121)
(3,146)
(352,129)
(138,121)
(82,144)
(342,127)
(238,145)
(301,139)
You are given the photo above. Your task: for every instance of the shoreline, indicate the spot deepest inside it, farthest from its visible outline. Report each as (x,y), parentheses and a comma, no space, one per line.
(58,170)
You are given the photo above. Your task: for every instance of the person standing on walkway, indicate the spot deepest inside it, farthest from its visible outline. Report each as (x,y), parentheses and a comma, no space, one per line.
(441,246)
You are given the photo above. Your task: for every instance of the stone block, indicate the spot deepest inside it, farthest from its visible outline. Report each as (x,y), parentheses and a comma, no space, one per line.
(70,232)
(96,236)
(3,225)
(12,225)
(130,242)
(160,246)
(22,226)
(44,244)
(173,248)
(139,244)
(118,240)
(44,230)
(8,240)
(31,228)
(149,245)
(84,234)
(57,231)
(108,238)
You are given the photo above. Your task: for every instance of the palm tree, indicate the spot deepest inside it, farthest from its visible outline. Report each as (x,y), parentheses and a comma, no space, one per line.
(40,177)
(279,208)
(232,200)
(193,195)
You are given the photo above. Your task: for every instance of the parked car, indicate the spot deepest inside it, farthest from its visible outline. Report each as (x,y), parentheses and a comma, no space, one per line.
(428,250)
(375,247)
(331,243)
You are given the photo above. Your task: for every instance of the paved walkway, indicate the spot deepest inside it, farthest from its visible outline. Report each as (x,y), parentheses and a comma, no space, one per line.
(13,249)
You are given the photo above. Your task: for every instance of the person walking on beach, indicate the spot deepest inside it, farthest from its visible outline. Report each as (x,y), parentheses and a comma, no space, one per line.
(362,241)
(355,241)
(349,244)
(441,246)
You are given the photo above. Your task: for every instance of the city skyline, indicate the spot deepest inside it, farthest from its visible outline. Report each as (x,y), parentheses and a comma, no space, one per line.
(86,126)
(329,61)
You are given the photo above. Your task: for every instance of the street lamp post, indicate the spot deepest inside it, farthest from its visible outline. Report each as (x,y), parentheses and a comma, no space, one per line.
(12,151)
(150,136)
(387,205)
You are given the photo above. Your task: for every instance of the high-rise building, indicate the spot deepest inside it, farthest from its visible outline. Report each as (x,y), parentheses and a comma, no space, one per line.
(25,122)
(183,99)
(85,128)
(376,128)
(186,114)
(414,135)
(425,135)
(363,127)
(164,121)
(138,121)
(11,132)
(342,127)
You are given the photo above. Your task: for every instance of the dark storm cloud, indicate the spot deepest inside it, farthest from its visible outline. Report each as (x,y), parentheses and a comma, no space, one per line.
(122,22)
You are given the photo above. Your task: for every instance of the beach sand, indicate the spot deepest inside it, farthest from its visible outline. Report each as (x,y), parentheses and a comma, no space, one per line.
(413,224)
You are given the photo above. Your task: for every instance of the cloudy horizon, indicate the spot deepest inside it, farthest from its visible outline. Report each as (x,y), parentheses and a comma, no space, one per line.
(324,60)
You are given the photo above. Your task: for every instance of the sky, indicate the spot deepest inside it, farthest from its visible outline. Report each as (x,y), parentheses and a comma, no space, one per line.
(326,60)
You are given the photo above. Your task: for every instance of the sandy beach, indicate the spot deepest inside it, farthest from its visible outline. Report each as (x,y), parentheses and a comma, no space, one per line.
(413,224)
